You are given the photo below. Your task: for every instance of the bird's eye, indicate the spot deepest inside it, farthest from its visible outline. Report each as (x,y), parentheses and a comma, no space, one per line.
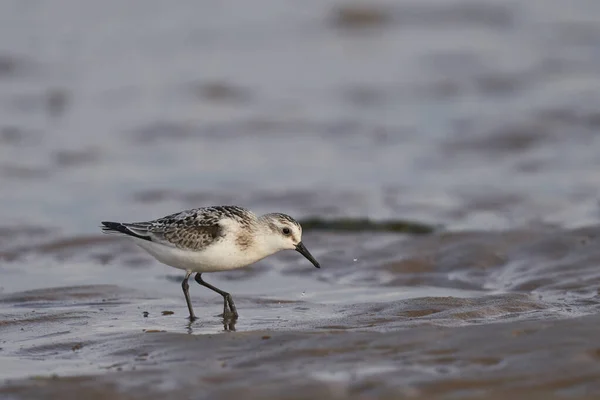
(286,231)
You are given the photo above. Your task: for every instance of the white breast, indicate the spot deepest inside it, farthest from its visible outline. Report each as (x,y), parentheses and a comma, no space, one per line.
(221,256)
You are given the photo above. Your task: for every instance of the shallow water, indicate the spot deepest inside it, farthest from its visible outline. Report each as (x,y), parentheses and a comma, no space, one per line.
(478,118)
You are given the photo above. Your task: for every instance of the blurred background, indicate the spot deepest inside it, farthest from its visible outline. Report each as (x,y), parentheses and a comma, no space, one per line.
(477,117)
(462,113)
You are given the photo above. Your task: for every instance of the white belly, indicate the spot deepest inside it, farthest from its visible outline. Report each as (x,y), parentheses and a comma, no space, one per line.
(221,256)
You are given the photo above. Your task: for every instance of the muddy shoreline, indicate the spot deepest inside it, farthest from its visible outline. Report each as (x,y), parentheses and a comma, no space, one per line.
(342,361)
(397,333)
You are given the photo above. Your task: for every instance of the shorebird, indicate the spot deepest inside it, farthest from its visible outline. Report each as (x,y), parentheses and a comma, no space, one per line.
(212,239)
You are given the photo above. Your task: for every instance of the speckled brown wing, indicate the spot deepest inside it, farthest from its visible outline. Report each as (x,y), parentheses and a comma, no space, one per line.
(190,236)
(189,230)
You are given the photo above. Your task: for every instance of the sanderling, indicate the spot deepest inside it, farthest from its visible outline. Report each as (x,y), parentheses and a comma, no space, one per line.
(212,239)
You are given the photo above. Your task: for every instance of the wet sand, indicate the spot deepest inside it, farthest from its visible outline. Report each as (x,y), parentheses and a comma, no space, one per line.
(443,154)
(456,316)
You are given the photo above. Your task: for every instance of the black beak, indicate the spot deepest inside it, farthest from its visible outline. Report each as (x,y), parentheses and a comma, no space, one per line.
(300,248)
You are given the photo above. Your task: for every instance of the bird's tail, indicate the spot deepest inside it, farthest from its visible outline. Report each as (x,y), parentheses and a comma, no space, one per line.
(119,228)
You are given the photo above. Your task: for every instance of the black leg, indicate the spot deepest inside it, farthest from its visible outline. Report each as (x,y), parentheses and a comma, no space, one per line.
(185,286)
(227,299)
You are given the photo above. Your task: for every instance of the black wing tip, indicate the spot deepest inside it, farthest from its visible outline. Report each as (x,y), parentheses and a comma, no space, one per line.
(109,226)
(121,228)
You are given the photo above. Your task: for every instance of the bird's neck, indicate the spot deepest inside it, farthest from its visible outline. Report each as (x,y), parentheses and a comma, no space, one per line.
(264,244)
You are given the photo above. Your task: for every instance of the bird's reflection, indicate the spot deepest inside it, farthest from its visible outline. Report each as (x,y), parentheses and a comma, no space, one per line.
(228,325)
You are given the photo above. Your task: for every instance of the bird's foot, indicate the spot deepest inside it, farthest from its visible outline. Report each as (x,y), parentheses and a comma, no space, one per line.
(229,310)
(230,305)
(229,325)
(228,314)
